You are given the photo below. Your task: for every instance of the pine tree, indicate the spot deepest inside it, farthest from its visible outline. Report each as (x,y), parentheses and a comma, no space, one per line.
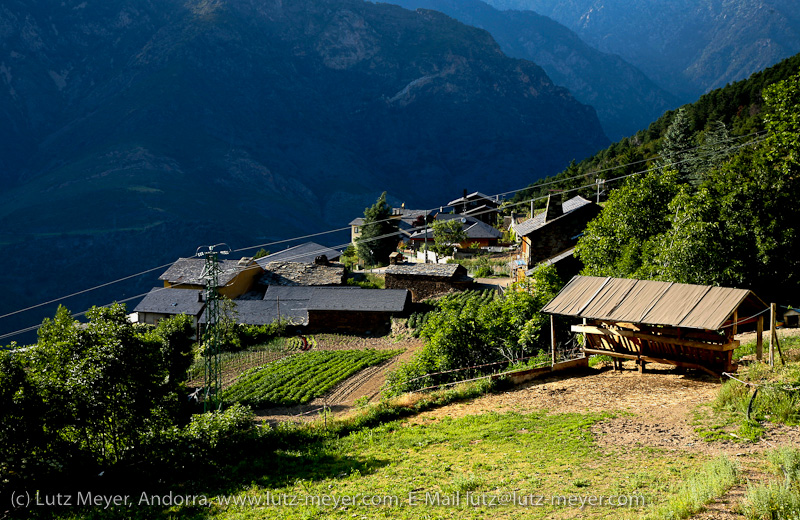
(378,233)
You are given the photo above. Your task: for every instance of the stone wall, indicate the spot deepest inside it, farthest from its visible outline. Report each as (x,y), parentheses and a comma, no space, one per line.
(423,287)
(558,235)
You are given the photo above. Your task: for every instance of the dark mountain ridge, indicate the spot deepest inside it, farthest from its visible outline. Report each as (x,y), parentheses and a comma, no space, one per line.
(625,99)
(688,47)
(177,124)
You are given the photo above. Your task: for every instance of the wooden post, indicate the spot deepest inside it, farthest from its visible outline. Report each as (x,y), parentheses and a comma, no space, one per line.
(553,338)
(760,338)
(735,322)
(772,333)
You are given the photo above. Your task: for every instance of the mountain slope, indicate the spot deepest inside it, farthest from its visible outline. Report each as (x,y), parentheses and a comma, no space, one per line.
(625,99)
(243,121)
(687,47)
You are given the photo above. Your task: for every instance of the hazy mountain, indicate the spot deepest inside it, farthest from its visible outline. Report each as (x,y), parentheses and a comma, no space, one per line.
(687,46)
(625,99)
(135,131)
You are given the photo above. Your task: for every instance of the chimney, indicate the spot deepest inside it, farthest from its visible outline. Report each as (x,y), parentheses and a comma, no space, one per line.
(465,193)
(200,296)
(554,209)
(321,260)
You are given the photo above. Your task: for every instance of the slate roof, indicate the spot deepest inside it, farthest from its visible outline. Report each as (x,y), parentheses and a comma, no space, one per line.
(448,271)
(189,271)
(261,312)
(297,273)
(304,253)
(474,228)
(171,301)
(472,197)
(346,299)
(652,302)
(539,221)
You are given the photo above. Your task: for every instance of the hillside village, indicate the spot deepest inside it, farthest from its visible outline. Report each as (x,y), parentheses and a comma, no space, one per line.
(620,340)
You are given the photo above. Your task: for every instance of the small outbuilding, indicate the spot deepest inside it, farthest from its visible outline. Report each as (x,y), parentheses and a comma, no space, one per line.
(686,325)
(341,309)
(162,303)
(426,280)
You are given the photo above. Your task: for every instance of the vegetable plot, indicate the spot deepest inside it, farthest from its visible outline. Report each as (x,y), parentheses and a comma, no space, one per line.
(302,377)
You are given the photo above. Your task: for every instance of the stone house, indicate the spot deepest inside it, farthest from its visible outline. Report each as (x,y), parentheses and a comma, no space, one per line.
(426,280)
(554,231)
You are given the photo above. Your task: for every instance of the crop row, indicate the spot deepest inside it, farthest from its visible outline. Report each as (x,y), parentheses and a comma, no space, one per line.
(302,377)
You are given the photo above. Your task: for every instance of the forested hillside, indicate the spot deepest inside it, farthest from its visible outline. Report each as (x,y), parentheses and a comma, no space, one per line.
(716,200)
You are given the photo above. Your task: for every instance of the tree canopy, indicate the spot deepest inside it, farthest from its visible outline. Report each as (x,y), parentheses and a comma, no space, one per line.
(736,224)
(379,236)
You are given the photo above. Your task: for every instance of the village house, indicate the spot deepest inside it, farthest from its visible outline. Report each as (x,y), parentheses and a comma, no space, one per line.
(426,280)
(478,233)
(235,277)
(477,205)
(409,221)
(554,231)
(162,303)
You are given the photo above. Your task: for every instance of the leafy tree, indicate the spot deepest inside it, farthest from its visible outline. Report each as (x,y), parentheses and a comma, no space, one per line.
(619,242)
(378,233)
(469,330)
(737,228)
(261,253)
(447,234)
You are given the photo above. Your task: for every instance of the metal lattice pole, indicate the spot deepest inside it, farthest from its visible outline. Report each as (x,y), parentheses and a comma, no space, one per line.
(211,338)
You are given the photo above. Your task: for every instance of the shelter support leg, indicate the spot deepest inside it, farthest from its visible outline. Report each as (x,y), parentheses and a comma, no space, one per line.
(760,338)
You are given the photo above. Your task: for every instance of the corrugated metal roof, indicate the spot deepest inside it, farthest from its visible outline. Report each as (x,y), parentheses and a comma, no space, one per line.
(651,302)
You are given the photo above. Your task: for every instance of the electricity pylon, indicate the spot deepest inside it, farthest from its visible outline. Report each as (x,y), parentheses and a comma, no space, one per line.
(212,398)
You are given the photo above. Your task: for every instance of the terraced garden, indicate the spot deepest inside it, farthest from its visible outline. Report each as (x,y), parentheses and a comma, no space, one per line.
(299,378)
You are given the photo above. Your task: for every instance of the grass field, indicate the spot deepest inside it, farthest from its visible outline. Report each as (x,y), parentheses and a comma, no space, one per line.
(484,466)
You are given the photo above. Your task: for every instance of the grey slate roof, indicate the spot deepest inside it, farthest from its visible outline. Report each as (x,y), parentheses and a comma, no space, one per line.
(282,293)
(363,300)
(296,273)
(474,228)
(171,301)
(189,271)
(350,299)
(304,253)
(448,271)
(472,197)
(553,260)
(261,312)
(539,221)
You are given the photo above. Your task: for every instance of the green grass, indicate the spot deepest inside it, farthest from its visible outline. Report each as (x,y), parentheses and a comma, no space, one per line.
(433,468)
(712,480)
(779,498)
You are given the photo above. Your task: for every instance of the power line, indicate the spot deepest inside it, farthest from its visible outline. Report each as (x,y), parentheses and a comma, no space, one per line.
(527,201)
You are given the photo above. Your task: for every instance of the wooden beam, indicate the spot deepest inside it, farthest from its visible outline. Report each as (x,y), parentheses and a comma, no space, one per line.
(588,329)
(735,321)
(651,359)
(773,334)
(760,338)
(610,353)
(552,338)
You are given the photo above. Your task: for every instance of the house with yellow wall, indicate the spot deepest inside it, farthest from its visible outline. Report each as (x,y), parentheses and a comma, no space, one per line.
(236,277)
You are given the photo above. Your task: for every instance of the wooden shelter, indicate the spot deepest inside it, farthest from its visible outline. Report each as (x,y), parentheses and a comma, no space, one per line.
(686,325)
